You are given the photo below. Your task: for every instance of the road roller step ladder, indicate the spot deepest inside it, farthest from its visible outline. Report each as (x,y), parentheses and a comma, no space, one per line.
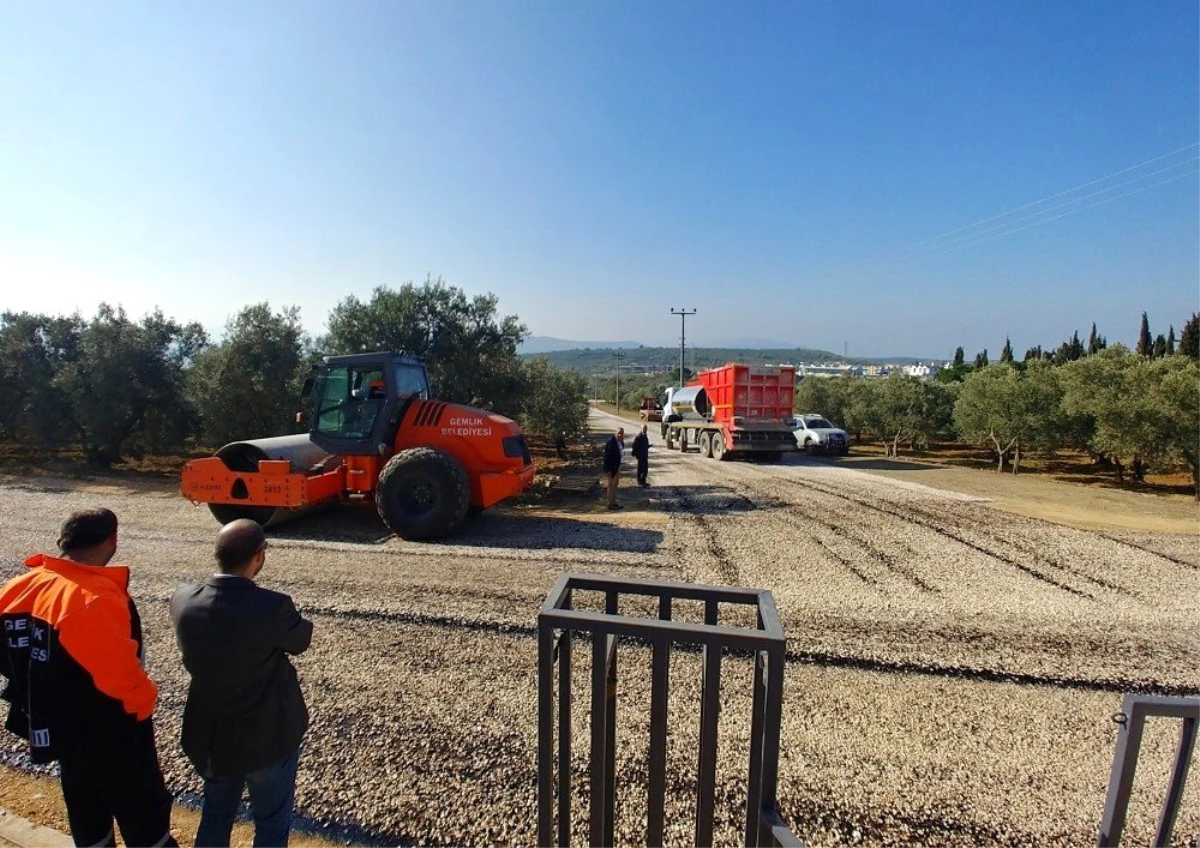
(1131,720)
(562,622)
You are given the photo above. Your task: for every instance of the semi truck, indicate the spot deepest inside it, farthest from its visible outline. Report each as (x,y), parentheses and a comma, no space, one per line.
(734,411)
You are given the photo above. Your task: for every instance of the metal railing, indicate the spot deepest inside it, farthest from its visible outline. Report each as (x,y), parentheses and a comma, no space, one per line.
(1135,709)
(558,621)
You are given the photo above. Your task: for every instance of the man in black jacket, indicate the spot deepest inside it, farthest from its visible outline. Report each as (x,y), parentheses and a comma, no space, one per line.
(614,452)
(641,452)
(245,715)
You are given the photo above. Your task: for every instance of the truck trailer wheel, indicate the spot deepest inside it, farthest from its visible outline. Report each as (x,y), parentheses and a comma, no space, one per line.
(706,444)
(718,446)
(422,494)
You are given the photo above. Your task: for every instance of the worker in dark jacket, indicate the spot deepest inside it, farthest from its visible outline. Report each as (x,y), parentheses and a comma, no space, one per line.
(77,690)
(614,452)
(641,452)
(245,714)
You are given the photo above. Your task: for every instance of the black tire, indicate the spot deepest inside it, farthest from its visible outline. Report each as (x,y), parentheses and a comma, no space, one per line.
(422,494)
(706,445)
(810,449)
(226,513)
(718,446)
(845,450)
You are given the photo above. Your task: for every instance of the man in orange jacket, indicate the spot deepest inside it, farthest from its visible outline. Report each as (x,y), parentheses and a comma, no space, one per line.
(77,688)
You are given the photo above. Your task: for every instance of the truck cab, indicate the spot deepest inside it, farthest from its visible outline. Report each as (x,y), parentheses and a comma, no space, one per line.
(650,409)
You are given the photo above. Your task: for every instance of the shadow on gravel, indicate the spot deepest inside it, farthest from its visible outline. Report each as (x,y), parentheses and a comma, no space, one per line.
(327,828)
(871,464)
(550,532)
(337,524)
(491,529)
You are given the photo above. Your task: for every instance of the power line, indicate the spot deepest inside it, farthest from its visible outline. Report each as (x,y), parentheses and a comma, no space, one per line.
(1060,194)
(1065,214)
(970,236)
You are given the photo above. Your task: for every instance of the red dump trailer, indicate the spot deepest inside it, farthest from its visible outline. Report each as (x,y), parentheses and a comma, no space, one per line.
(735,410)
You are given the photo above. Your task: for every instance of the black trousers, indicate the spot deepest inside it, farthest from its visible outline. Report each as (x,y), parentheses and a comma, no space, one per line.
(120,781)
(643,469)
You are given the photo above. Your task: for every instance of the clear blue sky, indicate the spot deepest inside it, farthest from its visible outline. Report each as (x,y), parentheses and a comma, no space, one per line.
(778,166)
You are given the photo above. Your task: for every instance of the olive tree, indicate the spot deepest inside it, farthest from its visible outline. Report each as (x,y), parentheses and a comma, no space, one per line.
(122,372)
(247,386)
(1011,410)
(471,350)
(1175,401)
(1112,388)
(895,409)
(32,350)
(555,403)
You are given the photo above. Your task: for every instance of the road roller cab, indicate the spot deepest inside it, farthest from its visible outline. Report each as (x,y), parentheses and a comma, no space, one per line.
(375,436)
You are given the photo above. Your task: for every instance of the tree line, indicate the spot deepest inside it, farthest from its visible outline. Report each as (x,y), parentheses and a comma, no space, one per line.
(1133,410)
(112,386)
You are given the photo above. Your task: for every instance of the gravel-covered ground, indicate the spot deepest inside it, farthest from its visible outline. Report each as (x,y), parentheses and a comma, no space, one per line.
(953,670)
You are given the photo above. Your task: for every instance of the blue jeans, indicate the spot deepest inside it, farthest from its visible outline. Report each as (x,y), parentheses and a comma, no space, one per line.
(272,791)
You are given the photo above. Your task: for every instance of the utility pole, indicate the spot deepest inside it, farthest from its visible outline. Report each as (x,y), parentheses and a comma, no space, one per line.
(683,314)
(617,355)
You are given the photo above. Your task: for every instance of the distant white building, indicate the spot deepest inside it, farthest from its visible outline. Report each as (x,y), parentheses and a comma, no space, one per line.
(803,370)
(922,370)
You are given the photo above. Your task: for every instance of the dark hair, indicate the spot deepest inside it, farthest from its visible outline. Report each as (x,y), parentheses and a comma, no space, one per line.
(87,528)
(234,550)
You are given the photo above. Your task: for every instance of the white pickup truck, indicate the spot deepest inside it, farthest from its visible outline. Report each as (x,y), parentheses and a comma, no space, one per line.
(816,435)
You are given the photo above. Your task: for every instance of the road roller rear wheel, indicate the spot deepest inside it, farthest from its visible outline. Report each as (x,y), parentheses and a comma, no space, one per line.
(422,494)
(226,513)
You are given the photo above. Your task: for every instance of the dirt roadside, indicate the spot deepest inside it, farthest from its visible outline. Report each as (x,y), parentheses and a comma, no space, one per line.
(1072,504)
(1031,495)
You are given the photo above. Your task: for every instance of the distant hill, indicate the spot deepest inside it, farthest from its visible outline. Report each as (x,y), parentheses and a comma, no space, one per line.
(549,344)
(652,358)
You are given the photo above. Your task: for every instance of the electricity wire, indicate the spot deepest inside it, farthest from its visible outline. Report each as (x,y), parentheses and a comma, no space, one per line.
(1059,194)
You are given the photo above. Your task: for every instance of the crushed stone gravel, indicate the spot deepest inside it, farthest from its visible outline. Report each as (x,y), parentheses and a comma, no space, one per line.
(952,672)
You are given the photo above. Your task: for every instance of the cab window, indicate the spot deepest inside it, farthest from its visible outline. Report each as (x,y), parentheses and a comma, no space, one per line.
(349,400)
(411,382)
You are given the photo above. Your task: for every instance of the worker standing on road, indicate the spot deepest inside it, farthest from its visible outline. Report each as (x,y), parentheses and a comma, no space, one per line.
(614,452)
(245,714)
(77,688)
(641,452)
